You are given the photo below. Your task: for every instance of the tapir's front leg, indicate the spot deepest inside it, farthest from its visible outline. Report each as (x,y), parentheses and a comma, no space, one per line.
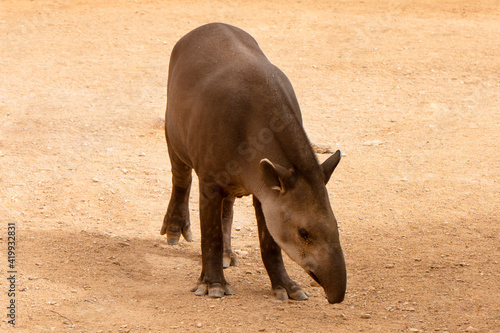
(283,286)
(212,276)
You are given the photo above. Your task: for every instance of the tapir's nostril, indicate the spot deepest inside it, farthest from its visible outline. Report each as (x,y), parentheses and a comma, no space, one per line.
(315,278)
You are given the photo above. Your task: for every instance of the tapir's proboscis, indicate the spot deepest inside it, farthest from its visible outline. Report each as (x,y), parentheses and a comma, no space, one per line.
(233,117)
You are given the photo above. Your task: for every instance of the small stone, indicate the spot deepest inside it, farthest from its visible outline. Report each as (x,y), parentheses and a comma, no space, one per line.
(142,154)
(389,266)
(366,316)
(125,171)
(471,329)
(95,180)
(373,143)
(314,284)
(123,244)
(322,149)
(198,325)
(413,330)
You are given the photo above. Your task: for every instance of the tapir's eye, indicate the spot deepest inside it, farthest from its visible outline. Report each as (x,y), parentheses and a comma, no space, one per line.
(305,235)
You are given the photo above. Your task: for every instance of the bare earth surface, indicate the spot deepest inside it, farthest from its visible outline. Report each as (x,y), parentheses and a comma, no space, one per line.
(408,90)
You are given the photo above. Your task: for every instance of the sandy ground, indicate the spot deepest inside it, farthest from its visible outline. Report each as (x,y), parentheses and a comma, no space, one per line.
(408,90)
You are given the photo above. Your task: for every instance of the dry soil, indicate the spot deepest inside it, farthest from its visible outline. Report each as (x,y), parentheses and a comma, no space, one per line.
(408,90)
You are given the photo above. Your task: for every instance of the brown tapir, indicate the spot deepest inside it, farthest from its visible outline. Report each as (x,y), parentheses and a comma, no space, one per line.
(233,117)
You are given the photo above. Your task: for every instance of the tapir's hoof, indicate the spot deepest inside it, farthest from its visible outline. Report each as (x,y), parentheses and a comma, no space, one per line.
(172,239)
(229,260)
(296,294)
(299,295)
(188,235)
(215,290)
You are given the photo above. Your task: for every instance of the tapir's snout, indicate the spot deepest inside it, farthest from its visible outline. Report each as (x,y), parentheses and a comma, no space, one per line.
(332,277)
(337,297)
(336,287)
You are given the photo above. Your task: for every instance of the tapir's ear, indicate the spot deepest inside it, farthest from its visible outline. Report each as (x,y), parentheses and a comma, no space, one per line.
(329,165)
(275,176)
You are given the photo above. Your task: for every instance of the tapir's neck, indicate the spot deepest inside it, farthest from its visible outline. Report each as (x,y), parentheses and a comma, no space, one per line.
(291,149)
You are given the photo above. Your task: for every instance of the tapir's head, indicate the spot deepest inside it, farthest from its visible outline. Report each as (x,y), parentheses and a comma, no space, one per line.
(300,219)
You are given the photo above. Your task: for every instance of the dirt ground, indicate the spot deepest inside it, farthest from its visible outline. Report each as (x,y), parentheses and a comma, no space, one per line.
(408,90)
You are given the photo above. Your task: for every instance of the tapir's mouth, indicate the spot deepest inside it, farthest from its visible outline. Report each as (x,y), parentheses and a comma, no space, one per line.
(315,278)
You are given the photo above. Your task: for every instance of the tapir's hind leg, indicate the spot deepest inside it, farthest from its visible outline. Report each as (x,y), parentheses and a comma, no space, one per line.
(228,257)
(282,285)
(176,221)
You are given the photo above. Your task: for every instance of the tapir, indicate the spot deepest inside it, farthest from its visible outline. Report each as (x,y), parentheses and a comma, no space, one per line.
(233,117)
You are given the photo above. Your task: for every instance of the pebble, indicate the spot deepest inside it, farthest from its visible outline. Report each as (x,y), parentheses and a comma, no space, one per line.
(314,284)
(142,154)
(413,330)
(389,266)
(373,143)
(322,149)
(366,316)
(471,329)
(95,180)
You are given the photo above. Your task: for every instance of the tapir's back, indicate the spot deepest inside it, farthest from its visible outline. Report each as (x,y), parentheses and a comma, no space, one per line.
(221,90)
(213,45)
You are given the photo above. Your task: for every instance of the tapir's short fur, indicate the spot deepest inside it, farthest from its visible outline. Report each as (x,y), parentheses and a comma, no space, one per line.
(233,117)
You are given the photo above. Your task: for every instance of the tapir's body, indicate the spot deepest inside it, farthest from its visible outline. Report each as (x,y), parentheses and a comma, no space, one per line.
(233,117)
